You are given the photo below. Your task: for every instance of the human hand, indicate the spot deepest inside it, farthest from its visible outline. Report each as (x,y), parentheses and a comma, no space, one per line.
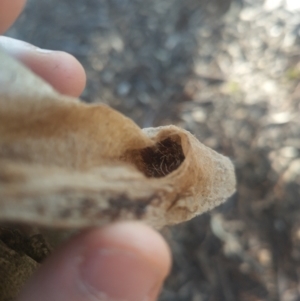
(122,261)
(59,69)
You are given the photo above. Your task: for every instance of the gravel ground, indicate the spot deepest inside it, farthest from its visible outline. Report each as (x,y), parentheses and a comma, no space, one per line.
(228,71)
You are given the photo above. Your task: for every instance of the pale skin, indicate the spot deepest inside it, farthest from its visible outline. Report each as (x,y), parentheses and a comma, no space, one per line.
(123,261)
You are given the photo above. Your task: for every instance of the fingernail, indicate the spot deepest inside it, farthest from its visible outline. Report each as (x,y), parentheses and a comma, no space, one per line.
(111,274)
(41,50)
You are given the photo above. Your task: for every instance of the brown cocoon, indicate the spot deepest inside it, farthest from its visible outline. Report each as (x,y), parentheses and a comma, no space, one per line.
(67,164)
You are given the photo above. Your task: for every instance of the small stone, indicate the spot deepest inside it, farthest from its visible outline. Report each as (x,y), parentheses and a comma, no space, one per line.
(281,118)
(199,116)
(289,152)
(275,31)
(248,14)
(172,41)
(293,171)
(107,76)
(123,88)
(144,98)
(264,257)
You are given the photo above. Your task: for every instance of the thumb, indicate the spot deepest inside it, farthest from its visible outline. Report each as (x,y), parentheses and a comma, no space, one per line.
(123,261)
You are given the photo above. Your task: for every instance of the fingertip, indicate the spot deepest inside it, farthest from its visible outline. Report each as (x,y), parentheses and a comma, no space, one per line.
(135,257)
(138,238)
(60,69)
(125,260)
(9,11)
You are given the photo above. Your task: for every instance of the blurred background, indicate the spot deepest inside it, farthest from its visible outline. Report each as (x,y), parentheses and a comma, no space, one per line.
(229,72)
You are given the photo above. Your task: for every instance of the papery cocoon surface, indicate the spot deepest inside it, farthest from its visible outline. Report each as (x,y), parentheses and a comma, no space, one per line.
(64,163)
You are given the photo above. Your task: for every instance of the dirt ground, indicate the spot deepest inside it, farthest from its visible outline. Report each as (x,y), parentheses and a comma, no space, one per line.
(229,72)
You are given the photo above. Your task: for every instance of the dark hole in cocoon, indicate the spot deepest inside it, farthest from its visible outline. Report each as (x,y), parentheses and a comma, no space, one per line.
(161,159)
